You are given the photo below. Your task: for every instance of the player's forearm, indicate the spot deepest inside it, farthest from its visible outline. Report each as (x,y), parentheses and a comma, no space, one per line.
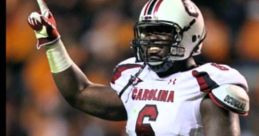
(70,82)
(69,79)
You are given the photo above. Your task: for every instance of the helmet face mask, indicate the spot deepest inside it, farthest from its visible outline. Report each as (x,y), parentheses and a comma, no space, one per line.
(173,25)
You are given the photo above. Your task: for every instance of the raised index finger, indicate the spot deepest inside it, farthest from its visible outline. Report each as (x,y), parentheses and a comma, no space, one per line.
(43,7)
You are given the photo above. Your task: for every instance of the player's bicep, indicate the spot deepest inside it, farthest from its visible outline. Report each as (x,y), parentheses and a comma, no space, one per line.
(218,121)
(101,101)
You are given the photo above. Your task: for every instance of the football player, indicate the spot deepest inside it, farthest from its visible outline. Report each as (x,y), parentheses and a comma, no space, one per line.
(161,91)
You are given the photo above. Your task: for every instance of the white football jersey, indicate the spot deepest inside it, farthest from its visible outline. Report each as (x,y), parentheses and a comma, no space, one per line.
(168,106)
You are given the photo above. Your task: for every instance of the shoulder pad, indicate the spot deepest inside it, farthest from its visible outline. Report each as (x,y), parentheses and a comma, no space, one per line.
(123,72)
(223,74)
(131,60)
(117,72)
(231,97)
(127,64)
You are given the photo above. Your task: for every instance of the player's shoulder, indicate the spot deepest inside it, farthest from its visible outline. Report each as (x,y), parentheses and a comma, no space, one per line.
(129,63)
(131,60)
(126,67)
(227,87)
(223,74)
(212,66)
(216,68)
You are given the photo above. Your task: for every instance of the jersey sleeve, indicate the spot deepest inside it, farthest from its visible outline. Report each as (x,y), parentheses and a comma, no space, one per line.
(223,74)
(225,86)
(122,73)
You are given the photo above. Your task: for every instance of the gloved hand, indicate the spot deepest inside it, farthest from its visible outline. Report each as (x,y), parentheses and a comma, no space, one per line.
(44,25)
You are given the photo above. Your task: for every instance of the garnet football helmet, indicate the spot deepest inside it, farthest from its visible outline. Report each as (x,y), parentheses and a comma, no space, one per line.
(181,20)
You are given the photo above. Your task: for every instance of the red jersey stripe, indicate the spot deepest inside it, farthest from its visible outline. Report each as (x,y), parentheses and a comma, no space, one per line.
(120,69)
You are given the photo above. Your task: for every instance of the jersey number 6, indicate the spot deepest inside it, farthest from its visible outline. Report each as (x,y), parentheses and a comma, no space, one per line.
(145,129)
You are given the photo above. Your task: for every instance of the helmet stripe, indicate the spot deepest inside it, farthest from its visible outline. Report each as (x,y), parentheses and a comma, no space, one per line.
(147,6)
(151,7)
(157,6)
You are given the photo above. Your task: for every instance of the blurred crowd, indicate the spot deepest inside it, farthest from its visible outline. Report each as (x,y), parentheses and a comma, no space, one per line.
(97,35)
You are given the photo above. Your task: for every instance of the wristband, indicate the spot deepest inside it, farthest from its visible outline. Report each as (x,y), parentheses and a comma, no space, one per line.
(58,57)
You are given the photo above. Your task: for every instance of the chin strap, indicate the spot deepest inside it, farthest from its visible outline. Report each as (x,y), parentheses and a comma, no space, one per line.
(162,68)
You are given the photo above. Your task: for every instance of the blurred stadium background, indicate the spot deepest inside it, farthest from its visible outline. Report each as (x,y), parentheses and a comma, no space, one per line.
(97,34)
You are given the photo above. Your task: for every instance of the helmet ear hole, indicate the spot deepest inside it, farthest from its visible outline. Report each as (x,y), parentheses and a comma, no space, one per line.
(197,48)
(194,38)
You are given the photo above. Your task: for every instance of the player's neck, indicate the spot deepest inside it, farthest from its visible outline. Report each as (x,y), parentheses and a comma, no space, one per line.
(180,66)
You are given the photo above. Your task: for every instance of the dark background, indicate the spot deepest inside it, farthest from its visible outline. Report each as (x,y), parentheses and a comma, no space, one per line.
(97,34)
